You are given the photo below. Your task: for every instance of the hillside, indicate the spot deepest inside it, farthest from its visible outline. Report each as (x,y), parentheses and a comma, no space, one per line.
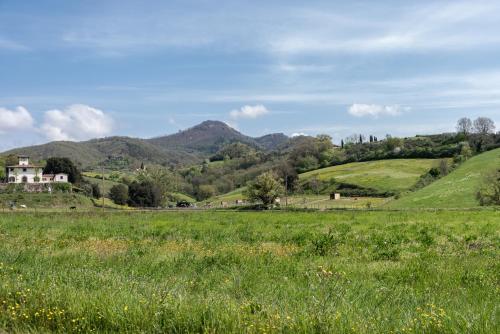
(383,175)
(456,190)
(187,147)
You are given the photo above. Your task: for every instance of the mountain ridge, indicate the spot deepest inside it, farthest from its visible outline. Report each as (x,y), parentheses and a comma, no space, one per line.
(188,146)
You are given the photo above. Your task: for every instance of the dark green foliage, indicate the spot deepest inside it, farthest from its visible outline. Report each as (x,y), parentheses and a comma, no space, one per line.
(144,194)
(119,194)
(63,165)
(96,191)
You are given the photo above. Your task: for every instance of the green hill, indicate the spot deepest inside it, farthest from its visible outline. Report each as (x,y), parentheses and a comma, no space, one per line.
(383,175)
(184,148)
(456,190)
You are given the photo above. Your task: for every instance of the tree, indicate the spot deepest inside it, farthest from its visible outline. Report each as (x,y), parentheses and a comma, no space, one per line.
(119,194)
(205,191)
(287,173)
(266,188)
(144,194)
(96,191)
(443,167)
(11,160)
(464,126)
(63,165)
(160,176)
(489,191)
(484,125)
(465,151)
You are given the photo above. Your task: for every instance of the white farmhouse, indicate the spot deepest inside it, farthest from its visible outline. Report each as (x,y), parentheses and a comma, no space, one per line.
(24,172)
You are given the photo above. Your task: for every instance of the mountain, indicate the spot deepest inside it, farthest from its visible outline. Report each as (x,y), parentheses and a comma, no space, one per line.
(183,148)
(210,136)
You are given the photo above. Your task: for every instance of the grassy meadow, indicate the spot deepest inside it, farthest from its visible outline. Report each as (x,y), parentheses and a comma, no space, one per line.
(456,190)
(250,272)
(382,175)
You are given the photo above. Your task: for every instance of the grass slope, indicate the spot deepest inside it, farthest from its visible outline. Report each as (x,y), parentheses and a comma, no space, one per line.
(223,272)
(456,190)
(45,201)
(383,175)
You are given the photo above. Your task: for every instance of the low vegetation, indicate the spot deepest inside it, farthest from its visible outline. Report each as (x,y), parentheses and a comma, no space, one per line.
(456,190)
(344,272)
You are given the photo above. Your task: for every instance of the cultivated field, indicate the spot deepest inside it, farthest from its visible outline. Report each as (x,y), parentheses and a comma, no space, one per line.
(336,272)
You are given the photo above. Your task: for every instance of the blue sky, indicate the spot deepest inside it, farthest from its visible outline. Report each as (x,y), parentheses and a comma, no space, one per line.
(81,69)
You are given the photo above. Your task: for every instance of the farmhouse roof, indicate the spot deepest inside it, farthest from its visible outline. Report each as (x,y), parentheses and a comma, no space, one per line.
(25,166)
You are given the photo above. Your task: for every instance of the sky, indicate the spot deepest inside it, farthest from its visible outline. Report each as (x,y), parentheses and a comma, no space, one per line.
(75,70)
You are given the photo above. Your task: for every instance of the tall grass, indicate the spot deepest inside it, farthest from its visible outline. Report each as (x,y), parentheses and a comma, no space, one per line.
(344,272)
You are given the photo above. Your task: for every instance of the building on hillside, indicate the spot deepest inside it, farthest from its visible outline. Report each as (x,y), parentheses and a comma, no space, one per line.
(24,172)
(335,196)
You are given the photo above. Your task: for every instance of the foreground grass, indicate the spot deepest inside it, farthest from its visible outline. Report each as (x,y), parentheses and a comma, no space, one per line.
(349,272)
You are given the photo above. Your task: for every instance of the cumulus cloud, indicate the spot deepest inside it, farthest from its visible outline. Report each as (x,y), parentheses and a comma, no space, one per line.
(376,110)
(10,120)
(249,112)
(298,134)
(76,122)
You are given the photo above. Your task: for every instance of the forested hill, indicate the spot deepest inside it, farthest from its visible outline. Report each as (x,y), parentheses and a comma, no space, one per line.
(183,148)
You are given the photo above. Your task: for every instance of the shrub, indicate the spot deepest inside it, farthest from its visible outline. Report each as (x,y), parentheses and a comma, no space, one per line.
(61,187)
(144,194)
(119,194)
(489,191)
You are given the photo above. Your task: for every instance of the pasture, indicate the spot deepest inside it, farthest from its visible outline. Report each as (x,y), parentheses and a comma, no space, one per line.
(382,175)
(250,272)
(457,189)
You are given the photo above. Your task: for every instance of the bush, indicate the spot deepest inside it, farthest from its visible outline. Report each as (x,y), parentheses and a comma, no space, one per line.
(119,194)
(489,191)
(144,194)
(61,187)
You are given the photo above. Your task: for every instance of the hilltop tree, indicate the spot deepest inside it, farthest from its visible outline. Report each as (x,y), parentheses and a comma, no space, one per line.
(464,126)
(266,188)
(484,125)
(63,165)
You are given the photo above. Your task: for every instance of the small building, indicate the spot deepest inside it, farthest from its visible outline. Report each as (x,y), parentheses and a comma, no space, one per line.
(239,202)
(24,172)
(335,196)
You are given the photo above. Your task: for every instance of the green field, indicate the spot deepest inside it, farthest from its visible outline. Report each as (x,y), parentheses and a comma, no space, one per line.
(456,190)
(383,175)
(272,272)
(59,201)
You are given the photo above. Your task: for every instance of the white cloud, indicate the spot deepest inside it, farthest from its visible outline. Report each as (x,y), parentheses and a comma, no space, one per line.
(76,122)
(20,118)
(249,112)
(376,110)
(298,134)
